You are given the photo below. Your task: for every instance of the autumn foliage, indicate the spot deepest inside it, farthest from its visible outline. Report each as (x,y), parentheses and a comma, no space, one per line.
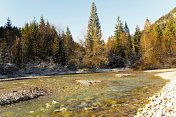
(153,47)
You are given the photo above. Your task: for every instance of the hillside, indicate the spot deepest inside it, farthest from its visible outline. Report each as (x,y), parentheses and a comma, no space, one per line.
(163,20)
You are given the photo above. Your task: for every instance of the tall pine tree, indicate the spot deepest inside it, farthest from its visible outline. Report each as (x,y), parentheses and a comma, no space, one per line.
(93,27)
(118,38)
(136,42)
(94,44)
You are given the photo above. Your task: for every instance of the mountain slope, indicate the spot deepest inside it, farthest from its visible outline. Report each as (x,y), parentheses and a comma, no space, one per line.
(164,19)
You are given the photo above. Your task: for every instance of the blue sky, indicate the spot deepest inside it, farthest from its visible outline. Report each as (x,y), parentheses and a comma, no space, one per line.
(75,13)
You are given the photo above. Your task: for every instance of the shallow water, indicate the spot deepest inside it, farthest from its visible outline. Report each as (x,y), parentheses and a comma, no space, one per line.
(112,97)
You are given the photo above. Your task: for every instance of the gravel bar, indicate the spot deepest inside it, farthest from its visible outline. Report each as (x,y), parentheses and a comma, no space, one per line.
(162,104)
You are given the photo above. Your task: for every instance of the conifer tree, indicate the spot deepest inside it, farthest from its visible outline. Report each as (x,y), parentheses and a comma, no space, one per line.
(136,42)
(121,51)
(42,23)
(10,37)
(8,25)
(147,24)
(146,41)
(159,45)
(170,36)
(55,49)
(92,26)
(3,52)
(128,43)
(33,28)
(69,44)
(25,43)
(126,29)
(94,44)
(62,58)
(18,53)
(118,38)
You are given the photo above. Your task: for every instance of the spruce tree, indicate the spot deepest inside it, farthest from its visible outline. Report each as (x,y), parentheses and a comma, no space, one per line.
(55,49)
(3,52)
(62,58)
(10,37)
(42,23)
(94,44)
(126,29)
(25,43)
(128,45)
(117,37)
(92,26)
(33,28)
(8,25)
(69,44)
(136,43)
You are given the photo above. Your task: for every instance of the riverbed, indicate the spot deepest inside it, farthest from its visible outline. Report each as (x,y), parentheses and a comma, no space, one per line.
(113,96)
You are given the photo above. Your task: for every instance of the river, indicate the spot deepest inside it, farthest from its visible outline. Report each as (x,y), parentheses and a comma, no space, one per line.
(114,96)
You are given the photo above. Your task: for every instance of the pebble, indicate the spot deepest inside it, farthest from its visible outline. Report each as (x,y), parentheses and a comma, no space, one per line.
(164,102)
(54,102)
(47,105)
(31,112)
(62,108)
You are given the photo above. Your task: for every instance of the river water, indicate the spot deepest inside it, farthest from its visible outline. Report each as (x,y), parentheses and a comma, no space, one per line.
(114,96)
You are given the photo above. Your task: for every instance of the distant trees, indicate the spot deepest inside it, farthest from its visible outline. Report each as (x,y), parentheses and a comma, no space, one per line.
(119,46)
(7,38)
(170,37)
(35,42)
(158,45)
(153,47)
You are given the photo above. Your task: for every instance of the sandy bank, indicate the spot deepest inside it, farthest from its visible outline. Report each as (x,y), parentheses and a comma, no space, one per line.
(161,70)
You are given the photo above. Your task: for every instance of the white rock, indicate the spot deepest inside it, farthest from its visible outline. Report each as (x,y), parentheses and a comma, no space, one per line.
(123,75)
(54,102)
(164,102)
(47,105)
(31,112)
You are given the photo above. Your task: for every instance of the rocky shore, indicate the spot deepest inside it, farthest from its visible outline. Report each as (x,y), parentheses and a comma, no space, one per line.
(23,95)
(162,104)
(32,73)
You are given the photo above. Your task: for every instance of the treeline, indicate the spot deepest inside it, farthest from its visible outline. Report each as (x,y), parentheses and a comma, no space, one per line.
(154,47)
(36,41)
(158,45)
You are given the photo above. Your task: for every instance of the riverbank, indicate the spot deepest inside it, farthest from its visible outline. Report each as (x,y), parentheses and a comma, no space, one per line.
(24,75)
(164,102)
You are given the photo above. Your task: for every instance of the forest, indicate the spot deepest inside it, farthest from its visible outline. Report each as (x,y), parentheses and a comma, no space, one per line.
(151,48)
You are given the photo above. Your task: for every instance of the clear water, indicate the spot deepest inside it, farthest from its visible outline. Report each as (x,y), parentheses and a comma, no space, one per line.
(112,97)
